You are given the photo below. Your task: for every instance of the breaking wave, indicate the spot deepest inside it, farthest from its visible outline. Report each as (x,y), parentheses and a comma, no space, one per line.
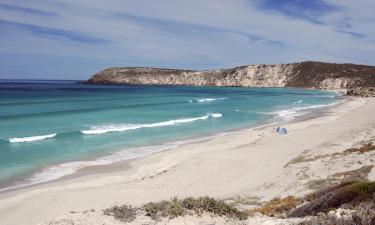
(291,113)
(125,127)
(297,111)
(68,168)
(32,138)
(207,99)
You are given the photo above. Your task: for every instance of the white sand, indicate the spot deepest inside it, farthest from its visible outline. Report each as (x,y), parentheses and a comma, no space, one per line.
(251,163)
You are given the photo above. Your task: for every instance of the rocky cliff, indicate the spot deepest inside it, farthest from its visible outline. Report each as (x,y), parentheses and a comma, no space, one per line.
(304,74)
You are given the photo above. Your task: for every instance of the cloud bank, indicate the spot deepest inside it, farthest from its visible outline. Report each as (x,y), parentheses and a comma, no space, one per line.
(73,39)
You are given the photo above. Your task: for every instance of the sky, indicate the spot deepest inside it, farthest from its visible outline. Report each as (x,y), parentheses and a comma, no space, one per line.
(74,39)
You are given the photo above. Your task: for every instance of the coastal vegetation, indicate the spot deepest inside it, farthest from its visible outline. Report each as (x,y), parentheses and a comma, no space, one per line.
(278,206)
(347,203)
(363,149)
(349,193)
(124,213)
(363,214)
(177,207)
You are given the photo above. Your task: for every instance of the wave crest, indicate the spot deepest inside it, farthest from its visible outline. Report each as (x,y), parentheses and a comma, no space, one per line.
(31,139)
(292,113)
(207,99)
(125,127)
(216,115)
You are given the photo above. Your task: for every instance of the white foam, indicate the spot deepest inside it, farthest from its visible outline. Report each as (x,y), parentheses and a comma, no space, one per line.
(31,139)
(65,169)
(125,127)
(208,99)
(298,102)
(216,115)
(289,114)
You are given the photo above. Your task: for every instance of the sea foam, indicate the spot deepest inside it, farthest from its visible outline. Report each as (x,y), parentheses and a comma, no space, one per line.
(207,99)
(31,139)
(125,127)
(216,115)
(68,168)
(289,114)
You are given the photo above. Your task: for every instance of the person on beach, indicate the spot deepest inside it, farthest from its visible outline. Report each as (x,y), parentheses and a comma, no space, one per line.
(281,130)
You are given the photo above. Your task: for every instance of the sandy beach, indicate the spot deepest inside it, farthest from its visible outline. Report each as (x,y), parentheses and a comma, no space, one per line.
(256,163)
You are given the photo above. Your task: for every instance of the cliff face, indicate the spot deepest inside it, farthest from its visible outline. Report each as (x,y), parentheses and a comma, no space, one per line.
(304,74)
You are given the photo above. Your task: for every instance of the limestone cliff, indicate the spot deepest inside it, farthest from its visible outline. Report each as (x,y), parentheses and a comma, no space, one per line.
(304,74)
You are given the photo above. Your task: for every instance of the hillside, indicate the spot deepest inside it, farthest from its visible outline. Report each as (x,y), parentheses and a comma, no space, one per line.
(305,74)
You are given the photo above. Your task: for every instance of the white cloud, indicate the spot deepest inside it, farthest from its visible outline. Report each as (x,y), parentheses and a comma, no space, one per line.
(193,34)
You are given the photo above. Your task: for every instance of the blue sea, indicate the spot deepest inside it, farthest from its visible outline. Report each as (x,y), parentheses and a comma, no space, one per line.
(49,129)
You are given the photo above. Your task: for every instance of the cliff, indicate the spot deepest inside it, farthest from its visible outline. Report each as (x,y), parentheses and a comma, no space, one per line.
(305,75)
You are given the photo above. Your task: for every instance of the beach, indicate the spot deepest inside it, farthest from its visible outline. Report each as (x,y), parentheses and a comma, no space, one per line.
(53,129)
(187,112)
(257,163)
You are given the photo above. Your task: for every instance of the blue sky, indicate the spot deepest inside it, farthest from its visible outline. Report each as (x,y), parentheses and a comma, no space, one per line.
(73,39)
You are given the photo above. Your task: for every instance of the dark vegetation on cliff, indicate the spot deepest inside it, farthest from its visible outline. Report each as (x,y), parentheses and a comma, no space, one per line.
(311,74)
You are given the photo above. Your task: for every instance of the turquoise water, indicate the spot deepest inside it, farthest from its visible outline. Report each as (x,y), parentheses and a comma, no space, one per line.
(52,128)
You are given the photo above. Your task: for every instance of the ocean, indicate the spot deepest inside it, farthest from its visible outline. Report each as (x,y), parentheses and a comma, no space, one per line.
(49,129)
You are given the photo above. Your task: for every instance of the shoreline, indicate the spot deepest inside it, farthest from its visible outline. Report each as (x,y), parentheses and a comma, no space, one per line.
(87,169)
(92,170)
(248,163)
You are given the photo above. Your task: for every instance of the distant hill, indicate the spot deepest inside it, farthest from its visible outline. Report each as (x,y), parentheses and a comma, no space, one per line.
(304,74)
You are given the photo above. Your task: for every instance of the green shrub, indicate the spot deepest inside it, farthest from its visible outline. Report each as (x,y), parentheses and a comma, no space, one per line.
(176,207)
(189,203)
(155,209)
(124,213)
(347,193)
(363,214)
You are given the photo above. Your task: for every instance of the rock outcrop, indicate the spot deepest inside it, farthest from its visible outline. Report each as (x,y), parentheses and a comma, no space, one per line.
(305,74)
(361,92)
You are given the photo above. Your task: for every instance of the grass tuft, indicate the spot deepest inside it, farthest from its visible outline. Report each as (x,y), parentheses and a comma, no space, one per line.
(278,206)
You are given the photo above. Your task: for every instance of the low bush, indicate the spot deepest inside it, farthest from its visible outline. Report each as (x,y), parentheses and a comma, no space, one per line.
(124,213)
(278,206)
(352,193)
(363,214)
(176,207)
